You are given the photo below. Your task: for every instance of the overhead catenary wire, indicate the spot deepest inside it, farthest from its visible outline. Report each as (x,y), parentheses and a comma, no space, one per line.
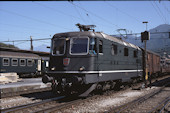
(158,12)
(166,8)
(161,12)
(167,11)
(56,10)
(112,35)
(92,20)
(23,32)
(27,40)
(63,13)
(20,43)
(25,27)
(43,41)
(152,39)
(89,17)
(34,19)
(105,20)
(111,5)
(79,13)
(140,33)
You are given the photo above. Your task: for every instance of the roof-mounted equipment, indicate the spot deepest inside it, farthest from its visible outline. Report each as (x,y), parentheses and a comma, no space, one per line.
(85,27)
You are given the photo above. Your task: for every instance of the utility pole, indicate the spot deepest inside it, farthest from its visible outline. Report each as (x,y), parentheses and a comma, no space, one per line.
(31,43)
(145,67)
(145,22)
(145,37)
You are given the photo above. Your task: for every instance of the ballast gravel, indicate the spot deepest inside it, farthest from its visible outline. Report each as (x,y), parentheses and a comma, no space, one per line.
(24,99)
(106,102)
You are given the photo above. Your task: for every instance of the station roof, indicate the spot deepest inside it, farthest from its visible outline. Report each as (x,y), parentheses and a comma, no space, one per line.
(13,54)
(24,51)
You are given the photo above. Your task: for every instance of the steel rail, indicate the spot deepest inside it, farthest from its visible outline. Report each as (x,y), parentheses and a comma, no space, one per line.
(164,107)
(65,105)
(70,104)
(59,107)
(22,107)
(122,108)
(54,108)
(11,94)
(160,107)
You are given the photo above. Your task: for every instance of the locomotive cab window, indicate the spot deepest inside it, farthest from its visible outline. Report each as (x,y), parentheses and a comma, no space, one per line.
(126,52)
(92,46)
(22,62)
(29,62)
(6,62)
(14,62)
(79,46)
(59,47)
(100,47)
(114,49)
(135,54)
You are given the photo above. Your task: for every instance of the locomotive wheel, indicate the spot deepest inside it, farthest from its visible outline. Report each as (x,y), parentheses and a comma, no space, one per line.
(117,85)
(53,87)
(76,90)
(112,85)
(85,90)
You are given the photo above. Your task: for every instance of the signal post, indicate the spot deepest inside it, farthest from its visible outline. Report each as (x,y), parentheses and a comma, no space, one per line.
(144,37)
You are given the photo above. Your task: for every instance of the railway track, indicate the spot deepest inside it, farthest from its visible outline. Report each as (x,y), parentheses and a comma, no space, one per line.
(16,93)
(61,103)
(166,107)
(29,89)
(47,106)
(152,103)
(162,106)
(33,107)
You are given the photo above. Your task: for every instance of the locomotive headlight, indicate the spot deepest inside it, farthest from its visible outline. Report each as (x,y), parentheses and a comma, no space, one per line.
(53,68)
(82,68)
(67,39)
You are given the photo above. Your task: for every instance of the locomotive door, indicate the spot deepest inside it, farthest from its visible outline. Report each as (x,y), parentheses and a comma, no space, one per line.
(100,55)
(39,65)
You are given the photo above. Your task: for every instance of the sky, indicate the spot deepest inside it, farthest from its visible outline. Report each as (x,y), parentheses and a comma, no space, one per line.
(42,19)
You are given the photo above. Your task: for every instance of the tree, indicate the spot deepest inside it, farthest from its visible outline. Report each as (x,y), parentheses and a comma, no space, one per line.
(8,45)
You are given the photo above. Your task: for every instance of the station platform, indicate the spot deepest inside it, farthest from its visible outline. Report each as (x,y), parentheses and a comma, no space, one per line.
(23,86)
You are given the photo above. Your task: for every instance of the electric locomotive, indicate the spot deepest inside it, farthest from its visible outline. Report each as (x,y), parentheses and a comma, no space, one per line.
(86,61)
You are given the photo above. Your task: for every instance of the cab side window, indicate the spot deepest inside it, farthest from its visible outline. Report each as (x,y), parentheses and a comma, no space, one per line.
(100,46)
(126,52)
(92,46)
(114,49)
(135,54)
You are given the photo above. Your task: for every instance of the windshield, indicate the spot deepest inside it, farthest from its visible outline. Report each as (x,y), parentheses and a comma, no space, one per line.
(59,46)
(79,46)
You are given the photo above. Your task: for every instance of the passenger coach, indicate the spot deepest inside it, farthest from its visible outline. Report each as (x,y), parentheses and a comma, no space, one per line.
(23,62)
